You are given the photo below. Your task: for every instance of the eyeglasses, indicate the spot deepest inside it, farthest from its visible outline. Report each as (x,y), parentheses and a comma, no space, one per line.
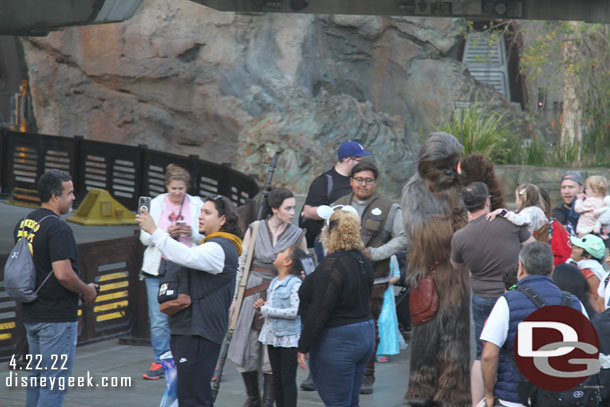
(361,180)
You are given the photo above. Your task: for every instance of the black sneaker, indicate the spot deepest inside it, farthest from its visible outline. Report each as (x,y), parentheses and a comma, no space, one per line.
(367,386)
(154,373)
(308,385)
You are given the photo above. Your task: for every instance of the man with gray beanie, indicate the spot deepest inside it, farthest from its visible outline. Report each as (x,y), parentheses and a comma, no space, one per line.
(572,184)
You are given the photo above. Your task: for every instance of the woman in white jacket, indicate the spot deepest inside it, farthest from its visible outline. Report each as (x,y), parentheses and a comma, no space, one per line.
(177,213)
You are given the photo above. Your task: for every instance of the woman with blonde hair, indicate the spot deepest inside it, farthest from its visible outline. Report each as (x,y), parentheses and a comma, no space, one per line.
(529,209)
(175,212)
(338,334)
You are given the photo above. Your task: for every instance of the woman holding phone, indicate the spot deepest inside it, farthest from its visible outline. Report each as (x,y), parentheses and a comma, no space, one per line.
(274,236)
(197,331)
(175,212)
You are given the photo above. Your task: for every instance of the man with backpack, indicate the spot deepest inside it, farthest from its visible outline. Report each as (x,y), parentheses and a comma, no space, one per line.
(535,267)
(327,188)
(51,318)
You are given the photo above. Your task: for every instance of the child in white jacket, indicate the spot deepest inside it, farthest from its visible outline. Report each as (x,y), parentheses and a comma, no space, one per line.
(529,209)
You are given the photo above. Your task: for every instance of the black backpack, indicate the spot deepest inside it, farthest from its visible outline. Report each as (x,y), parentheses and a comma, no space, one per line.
(313,227)
(586,394)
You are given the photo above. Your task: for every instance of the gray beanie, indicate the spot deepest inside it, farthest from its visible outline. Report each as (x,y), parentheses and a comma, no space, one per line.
(573,176)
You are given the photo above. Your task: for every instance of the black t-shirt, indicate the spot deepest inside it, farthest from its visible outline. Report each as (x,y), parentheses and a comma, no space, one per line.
(561,213)
(52,240)
(567,216)
(318,195)
(318,191)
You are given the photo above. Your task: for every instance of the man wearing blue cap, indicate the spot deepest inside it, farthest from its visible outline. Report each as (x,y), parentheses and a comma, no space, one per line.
(328,187)
(325,189)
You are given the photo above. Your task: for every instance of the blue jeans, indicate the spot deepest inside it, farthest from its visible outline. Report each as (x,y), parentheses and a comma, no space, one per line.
(337,361)
(481,308)
(159,328)
(53,344)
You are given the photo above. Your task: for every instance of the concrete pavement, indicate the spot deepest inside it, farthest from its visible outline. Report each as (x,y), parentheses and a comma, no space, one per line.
(109,359)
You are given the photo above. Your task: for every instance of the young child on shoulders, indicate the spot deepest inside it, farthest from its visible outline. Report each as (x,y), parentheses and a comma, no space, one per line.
(529,209)
(589,203)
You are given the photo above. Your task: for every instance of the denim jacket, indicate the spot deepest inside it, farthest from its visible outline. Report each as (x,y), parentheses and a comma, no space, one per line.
(283,314)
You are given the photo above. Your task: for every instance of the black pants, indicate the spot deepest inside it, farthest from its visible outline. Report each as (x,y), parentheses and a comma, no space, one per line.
(284,367)
(195,359)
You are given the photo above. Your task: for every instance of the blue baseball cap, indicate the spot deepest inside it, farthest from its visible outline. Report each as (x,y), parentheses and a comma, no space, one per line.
(351,149)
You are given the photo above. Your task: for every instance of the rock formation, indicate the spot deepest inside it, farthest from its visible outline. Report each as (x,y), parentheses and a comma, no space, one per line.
(234,87)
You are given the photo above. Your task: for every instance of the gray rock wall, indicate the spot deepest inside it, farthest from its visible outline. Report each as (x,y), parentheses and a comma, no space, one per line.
(235,88)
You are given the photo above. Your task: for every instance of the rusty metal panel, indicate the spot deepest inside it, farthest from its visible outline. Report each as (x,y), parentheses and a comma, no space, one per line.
(114,265)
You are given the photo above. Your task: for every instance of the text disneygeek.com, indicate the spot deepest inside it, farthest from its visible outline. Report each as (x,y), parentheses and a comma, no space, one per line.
(23,380)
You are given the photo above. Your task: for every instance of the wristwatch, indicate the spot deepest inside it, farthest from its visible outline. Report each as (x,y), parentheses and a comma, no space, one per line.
(503,213)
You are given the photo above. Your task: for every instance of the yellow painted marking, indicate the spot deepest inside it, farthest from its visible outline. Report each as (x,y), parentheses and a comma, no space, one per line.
(106,307)
(7,325)
(113,286)
(113,276)
(111,296)
(106,317)
(4,337)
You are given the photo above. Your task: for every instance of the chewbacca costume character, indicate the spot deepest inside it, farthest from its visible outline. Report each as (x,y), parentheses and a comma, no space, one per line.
(432,211)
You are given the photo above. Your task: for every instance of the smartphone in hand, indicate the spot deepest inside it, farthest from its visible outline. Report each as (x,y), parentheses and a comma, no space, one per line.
(307,264)
(144,203)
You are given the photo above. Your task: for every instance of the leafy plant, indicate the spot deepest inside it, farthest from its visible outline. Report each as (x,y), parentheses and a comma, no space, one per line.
(479,130)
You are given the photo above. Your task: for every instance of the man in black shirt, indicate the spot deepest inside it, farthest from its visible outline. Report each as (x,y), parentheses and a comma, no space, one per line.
(572,184)
(327,188)
(51,319)
(330,186)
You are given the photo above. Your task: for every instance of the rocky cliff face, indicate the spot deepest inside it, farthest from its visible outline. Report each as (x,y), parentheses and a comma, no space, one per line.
(237,87)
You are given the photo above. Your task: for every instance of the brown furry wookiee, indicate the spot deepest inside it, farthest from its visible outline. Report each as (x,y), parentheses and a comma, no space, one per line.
(432,211)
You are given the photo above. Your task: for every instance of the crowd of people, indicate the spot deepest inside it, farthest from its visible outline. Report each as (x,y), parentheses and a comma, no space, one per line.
(329,321)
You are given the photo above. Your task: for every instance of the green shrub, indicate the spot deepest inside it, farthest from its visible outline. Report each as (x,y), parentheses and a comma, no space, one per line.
(479,131)
(490,134)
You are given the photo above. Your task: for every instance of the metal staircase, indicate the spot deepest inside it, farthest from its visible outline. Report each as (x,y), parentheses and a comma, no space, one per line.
(485,57)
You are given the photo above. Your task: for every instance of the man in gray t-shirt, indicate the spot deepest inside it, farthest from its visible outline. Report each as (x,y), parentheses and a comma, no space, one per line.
(487,249)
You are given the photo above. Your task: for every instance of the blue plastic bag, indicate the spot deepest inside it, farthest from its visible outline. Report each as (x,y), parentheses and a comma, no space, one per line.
(170,398)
